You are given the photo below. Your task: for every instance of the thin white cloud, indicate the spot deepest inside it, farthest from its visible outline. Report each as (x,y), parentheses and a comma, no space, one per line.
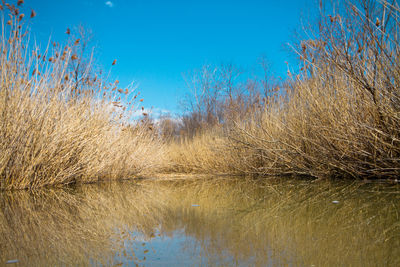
(156,113)
(109,4)
(173,119)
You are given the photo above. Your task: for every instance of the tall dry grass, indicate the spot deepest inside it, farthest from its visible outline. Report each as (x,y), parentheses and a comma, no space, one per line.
(204,153)
(338,117)
(58,130)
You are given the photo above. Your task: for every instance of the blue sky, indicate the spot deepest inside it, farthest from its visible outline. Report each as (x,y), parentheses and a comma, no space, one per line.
(157,42)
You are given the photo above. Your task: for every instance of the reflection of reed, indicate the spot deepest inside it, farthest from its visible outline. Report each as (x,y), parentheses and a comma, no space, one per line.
(281,223)
(71,226)
(236,221)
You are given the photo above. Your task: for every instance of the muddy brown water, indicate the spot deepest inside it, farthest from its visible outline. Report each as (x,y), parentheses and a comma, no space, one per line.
(203,222)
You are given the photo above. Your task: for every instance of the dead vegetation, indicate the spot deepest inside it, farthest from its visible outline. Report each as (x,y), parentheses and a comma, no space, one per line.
(338,117)
(60,123)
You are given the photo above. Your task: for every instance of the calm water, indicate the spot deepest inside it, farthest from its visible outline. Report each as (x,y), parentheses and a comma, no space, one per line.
(203,222)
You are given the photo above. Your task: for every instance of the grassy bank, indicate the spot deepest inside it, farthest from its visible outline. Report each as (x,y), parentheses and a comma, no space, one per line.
(61,124)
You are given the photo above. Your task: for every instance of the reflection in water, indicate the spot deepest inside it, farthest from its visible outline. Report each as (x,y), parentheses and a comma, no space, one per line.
(211,222)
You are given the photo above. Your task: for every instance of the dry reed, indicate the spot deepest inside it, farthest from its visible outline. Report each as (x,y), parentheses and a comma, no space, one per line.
(339,117)
(59,126)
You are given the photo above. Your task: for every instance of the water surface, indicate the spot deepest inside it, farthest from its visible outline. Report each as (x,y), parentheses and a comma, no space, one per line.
(203,222)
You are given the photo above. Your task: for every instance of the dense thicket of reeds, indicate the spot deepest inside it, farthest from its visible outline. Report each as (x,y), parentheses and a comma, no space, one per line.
(61,124)
(338,117)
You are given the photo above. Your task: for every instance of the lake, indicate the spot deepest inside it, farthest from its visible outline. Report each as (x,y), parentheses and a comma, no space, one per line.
(213,221)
